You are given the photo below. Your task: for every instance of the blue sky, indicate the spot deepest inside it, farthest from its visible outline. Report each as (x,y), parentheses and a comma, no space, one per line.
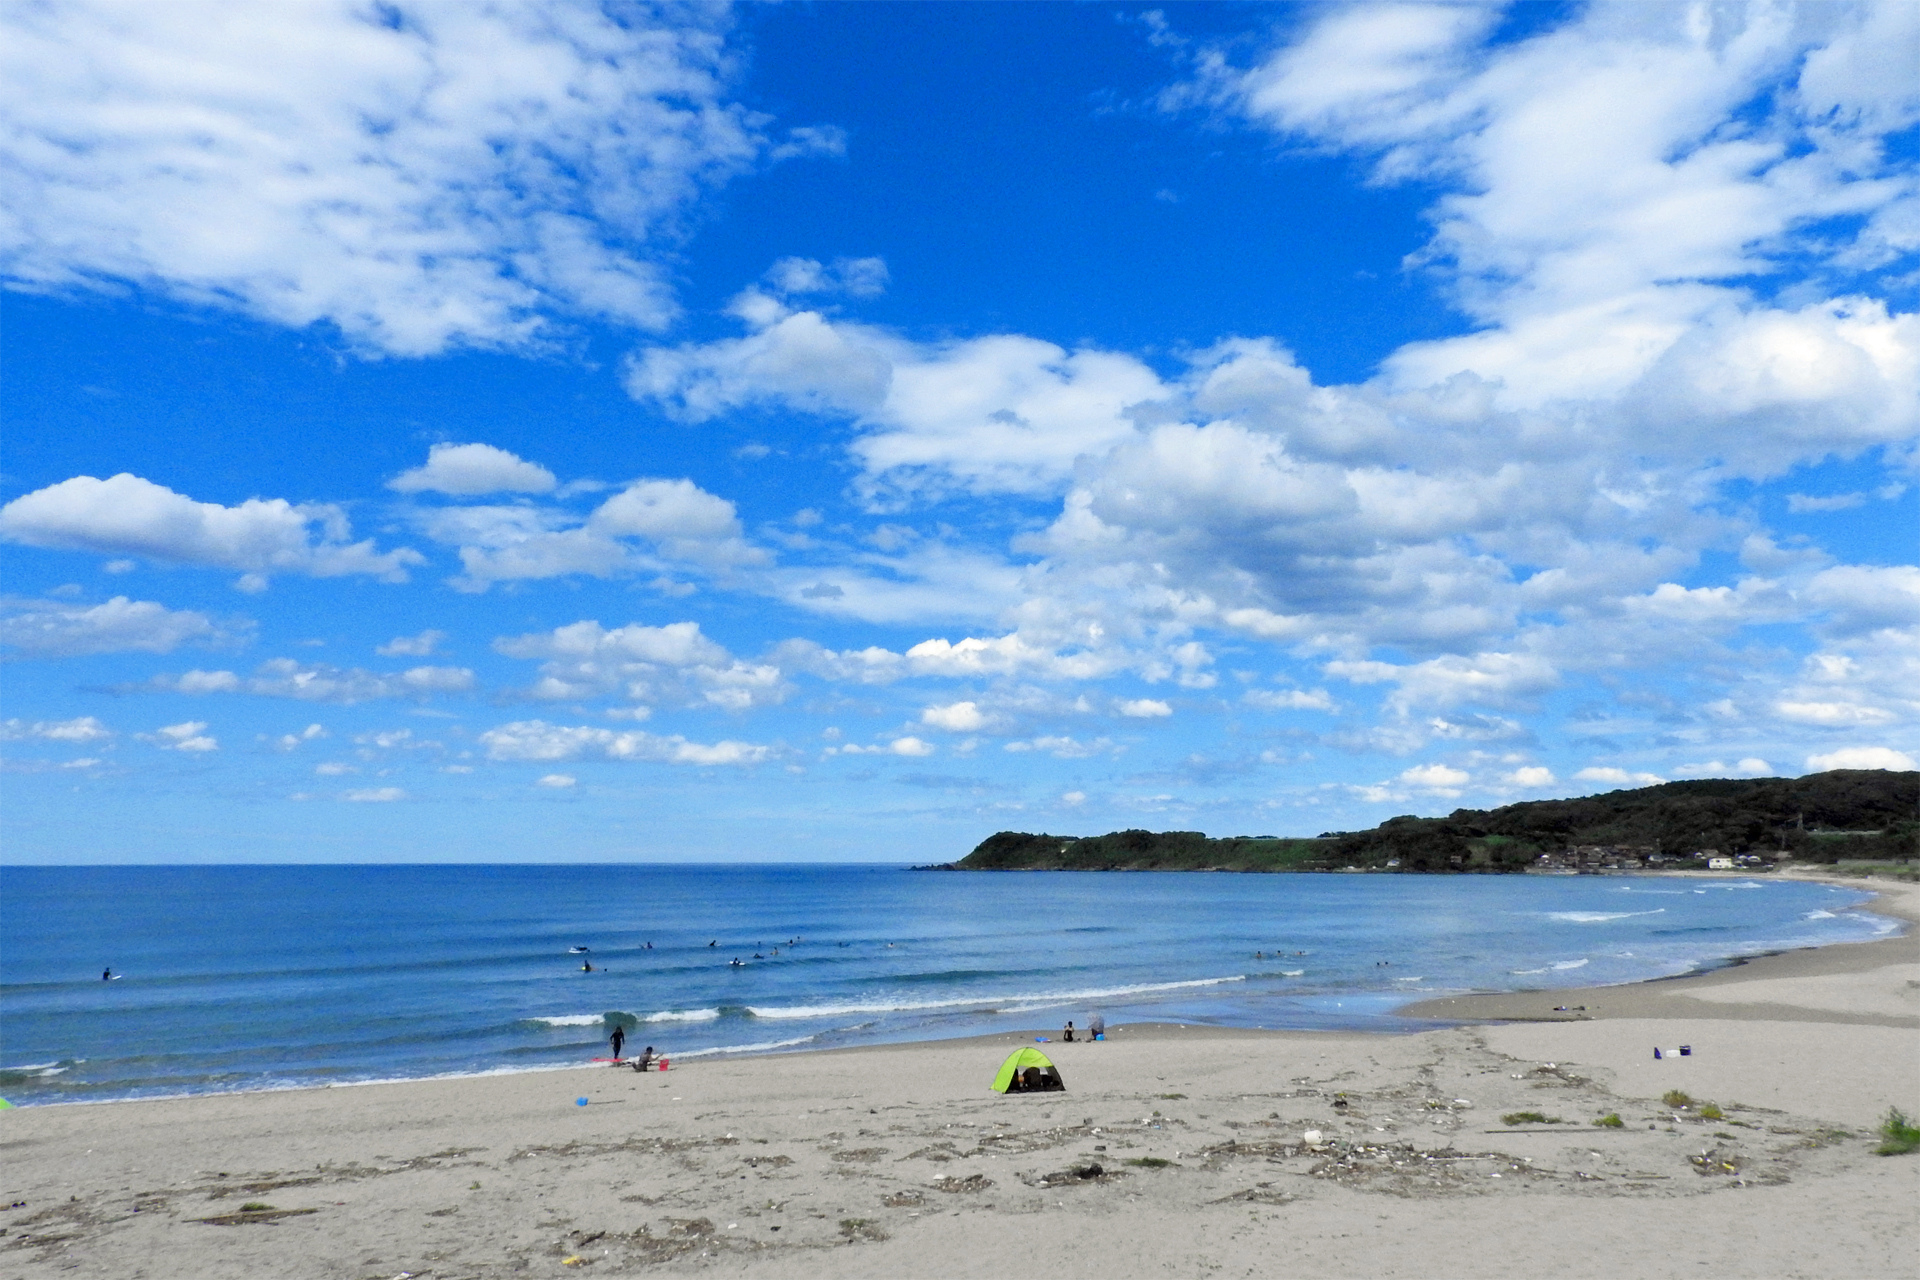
(578,432)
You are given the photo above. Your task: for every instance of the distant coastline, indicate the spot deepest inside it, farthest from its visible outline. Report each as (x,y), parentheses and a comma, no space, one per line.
(1749,824)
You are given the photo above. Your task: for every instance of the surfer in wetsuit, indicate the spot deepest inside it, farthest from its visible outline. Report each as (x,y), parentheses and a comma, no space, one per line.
(106,975)
(617,1039)
(586,966)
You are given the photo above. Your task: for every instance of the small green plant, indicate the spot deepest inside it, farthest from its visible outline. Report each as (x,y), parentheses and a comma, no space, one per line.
(1611,1120)
(1150,1162)
(1711,1112)
(1675,1098)
(254,1206)
(1528,1117)
(1170,1097)
(473,1186)
(1899,1134)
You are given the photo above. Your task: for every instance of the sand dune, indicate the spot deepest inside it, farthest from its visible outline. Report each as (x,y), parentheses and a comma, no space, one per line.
(1175,1151)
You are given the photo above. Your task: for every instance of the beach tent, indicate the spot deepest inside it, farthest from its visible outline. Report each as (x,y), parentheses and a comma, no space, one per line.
(1019,1060)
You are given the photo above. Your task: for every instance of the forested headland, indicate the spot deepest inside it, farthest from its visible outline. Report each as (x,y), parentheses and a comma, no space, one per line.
(1841,815)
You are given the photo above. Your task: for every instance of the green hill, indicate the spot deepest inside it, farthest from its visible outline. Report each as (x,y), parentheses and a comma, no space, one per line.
(1824,817)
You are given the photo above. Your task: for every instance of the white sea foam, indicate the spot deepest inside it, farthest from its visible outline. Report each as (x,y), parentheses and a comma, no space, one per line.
(1569,964)
(1597,917)
(37,1069)
(758,1047)
(1040,999)
(573,1020)
(682,1015)
(1542,969)
(1292,973)
(1819,915)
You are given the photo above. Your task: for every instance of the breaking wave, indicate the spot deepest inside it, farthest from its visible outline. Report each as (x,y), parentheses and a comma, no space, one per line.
(1033,1000)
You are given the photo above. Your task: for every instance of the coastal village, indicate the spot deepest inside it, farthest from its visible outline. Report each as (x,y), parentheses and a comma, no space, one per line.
(1589,859)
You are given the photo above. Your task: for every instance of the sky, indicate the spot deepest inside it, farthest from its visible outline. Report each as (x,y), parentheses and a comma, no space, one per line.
(589,432)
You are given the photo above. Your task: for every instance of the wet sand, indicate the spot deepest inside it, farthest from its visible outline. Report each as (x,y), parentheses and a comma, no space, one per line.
(898,1161)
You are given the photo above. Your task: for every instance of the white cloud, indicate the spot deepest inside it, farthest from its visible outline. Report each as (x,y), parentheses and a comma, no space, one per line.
(420,646)
(125,515)
(53,629)
(79,729)
(374,795)
(1436,777)
(187,736)
(291,741)
(1493,679)
(556,781)
(1862,758)
(1531,776)
(958,717)
(1618,777)
(1143,708)
(319,682)
(538,740)
(1061,747)
(1289,699)
(419,176)
(334,769)
(467,470)
(679,524)
(999,414)
(854,277)
(673,663)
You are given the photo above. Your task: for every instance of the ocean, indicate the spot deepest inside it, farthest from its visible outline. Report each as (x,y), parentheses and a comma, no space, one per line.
(257,977)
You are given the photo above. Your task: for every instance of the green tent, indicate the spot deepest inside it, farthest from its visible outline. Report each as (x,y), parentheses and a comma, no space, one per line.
(1019,1060)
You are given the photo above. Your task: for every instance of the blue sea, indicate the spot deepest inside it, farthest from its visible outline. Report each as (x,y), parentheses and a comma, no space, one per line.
(269,977)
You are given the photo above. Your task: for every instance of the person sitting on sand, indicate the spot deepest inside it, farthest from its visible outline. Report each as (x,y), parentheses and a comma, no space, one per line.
(1031,1080)
(645,1061)
(1067,1035)
(1097,1027)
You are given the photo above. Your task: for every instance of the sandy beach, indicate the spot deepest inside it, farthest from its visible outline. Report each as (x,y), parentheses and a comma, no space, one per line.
(1175,1151)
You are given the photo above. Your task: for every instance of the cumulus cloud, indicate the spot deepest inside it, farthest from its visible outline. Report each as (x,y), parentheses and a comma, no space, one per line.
(537,740)
(1861,758)
(1000,414)
(674,663)
(649,526)
(1617,777)
(78,729)
(1143,708)
(55,629)
(957,717)
(468,470)
(417,646)
(374,795)
(126,515)
(320,682)
(417,176)
(1289,699)
(556,781)
(188,736)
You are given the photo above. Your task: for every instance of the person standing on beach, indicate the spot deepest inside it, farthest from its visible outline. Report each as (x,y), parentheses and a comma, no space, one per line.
(617,1039)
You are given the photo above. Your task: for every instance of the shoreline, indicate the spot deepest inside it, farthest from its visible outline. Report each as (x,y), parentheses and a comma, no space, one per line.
(1681,995)
(1895,899)
(1177,1149)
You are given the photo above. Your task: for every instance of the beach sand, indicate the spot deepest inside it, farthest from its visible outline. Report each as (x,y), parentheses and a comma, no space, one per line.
(898,1161)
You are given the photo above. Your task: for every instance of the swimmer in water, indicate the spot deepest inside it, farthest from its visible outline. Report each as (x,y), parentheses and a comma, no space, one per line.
(586,967)
(106,975)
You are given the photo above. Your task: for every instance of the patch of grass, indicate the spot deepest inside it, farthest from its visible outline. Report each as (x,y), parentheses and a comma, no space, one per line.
(1899,1134)
(1711,1112)
(1150,1162)
(255,1206)
(1611,1120)
(1170,1097)
(1528,1117)
(1675,1098)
